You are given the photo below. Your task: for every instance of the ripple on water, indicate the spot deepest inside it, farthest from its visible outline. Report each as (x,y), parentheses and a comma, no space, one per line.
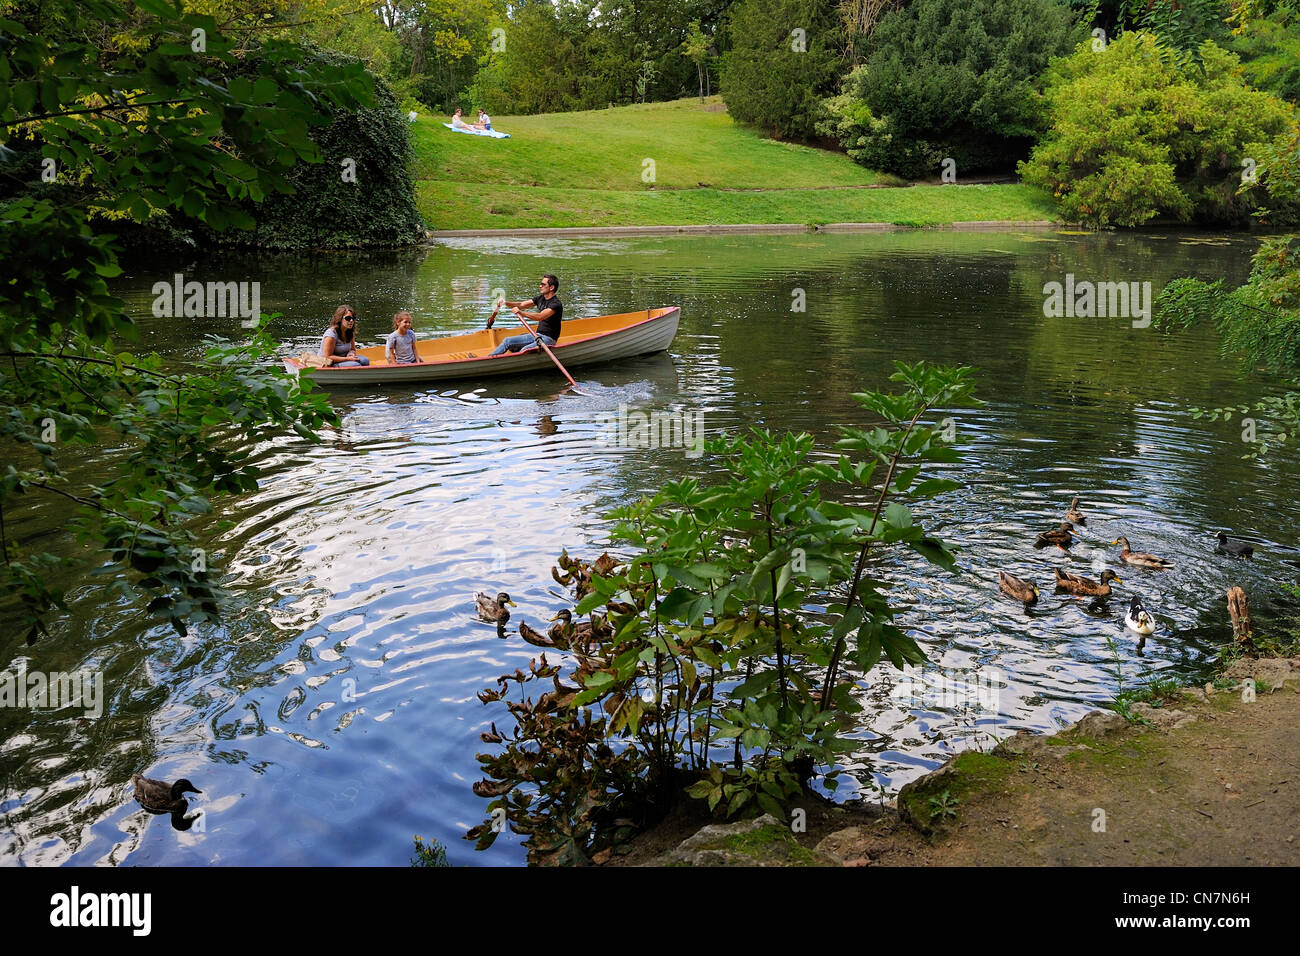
(333,715)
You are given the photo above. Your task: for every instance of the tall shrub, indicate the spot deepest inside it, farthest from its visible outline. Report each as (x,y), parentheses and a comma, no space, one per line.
(1136,135)
(960,81)
(783,60)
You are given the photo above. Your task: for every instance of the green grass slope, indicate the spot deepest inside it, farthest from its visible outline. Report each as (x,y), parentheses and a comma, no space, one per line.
(591,169)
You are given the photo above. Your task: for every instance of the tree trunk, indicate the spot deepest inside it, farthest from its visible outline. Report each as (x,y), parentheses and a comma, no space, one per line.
(1239,611)
(699,68)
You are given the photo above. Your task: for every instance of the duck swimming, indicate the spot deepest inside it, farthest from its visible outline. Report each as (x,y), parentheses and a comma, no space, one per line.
(1087,587)
(1238,549)
(564,634)
(158,796)
(1074,514)
(1018,588)
(1141,558)
(1061,537)
(1138,619)
(494,612)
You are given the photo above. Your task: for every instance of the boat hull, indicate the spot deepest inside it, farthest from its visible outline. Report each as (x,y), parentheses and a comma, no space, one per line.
(589,341)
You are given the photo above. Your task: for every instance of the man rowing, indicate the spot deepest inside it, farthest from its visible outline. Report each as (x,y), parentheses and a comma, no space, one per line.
(548,314)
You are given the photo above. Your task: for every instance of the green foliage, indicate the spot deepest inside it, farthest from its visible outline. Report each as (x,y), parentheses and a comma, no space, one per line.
(1259,320)
(943,806)
(134,124)
(846,119)
(1270,57)
(1135,136)
(360,194)
(587,55)
(1181,27)
(710,640)
(960,81)
(432,853)
(771,77)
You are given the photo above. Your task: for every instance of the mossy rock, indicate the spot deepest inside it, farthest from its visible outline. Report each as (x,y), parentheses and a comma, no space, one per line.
(762,841)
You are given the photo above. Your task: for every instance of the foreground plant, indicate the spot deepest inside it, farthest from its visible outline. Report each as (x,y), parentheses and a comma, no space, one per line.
(717,649)
(121,114)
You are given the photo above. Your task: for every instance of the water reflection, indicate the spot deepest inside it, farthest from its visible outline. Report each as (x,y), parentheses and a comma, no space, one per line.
(334,716)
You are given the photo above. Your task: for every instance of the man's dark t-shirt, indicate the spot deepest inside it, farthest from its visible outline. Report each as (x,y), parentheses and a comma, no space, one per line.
(550,326)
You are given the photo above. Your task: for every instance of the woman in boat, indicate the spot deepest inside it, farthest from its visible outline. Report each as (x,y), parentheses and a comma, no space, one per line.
(549,316)
(339,344)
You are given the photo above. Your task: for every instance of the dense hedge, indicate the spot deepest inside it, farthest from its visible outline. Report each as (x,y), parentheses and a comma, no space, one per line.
(960,81)
(376,209)
(773,77)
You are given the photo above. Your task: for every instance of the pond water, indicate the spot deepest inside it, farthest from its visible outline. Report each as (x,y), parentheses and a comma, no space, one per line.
(333,716)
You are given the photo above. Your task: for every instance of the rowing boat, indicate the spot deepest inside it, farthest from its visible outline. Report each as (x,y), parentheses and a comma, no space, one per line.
(600,338)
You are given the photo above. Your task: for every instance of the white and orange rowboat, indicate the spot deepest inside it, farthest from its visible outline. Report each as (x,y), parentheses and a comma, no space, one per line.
(600,338)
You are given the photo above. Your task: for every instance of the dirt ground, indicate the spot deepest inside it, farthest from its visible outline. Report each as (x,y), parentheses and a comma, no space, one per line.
(1206,780)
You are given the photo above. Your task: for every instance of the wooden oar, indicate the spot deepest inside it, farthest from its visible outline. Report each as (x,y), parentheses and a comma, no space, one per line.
(546,349)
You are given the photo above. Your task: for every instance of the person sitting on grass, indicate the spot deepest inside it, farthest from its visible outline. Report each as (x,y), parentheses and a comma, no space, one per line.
(549,316)
(458,122)
(484,121)
(400,347)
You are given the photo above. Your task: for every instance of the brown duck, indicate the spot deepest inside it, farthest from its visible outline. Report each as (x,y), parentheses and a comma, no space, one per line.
(1018,588)
(494,612)
(564,634)
(1074,514)
(1141,558)
(1061,537)
(1086,587)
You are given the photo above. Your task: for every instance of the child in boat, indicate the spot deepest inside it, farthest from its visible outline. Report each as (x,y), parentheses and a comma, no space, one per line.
(400,347)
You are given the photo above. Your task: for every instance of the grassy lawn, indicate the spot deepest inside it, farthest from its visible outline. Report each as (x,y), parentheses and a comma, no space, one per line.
(585,169)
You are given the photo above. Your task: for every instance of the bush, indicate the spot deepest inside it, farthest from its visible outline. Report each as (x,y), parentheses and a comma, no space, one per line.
(719,657)
(1134,135)
(376,209)
(958,81)
(1270,56)
(764,79)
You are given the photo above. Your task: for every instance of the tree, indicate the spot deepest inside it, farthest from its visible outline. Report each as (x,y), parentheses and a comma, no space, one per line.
(696,46)
(959,81)
(1136,135)
(784,58)
(1259,320)
(131,113)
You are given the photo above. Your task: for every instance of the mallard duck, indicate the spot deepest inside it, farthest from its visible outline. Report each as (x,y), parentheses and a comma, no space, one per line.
(494,612)
(1061,537)
(1238,549)
(580,633)
(1018,588)
(1074,514)
(1140,558)
(1087,587)
(1138,619)
(160,797)
(564,634)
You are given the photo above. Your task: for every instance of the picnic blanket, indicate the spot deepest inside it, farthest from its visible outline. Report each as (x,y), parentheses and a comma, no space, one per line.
(495,134)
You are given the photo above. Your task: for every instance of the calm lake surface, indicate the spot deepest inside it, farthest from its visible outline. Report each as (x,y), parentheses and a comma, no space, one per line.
(333,717)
